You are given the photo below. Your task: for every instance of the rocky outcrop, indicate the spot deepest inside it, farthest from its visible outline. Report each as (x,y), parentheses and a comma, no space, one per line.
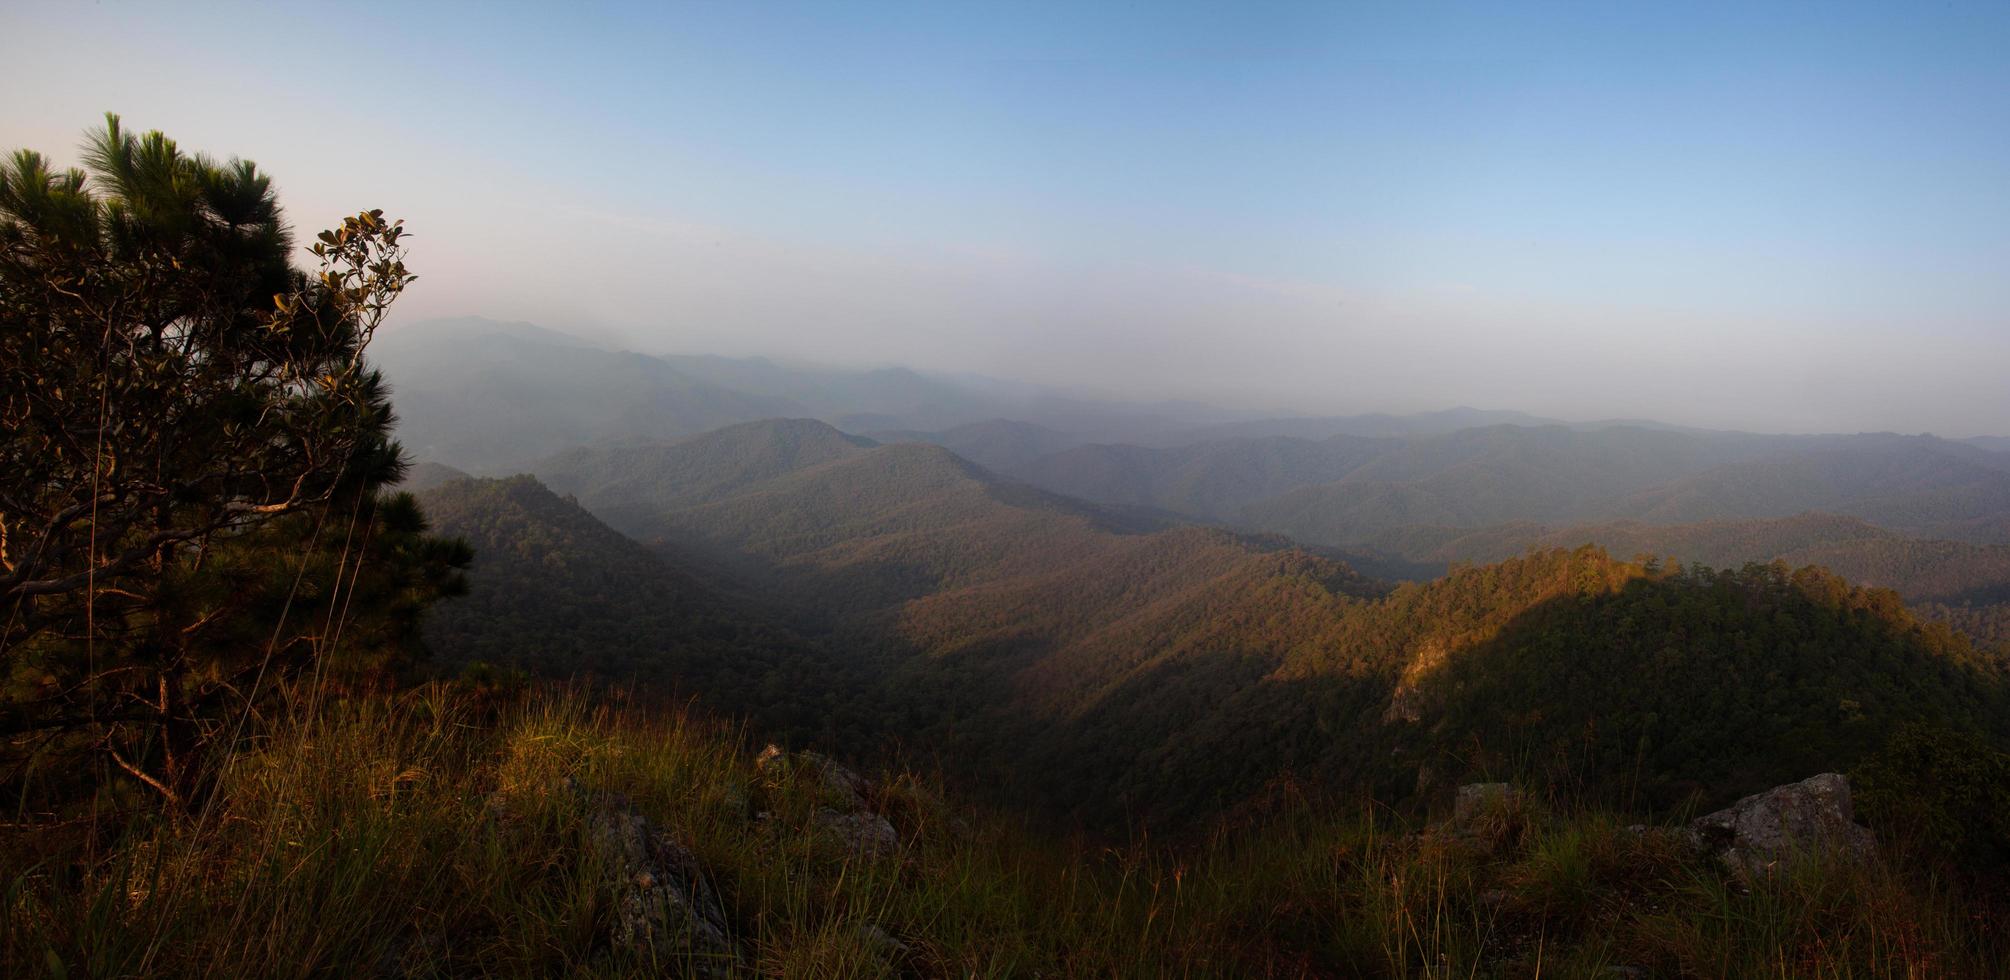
(845,813)
(1751,834)
(864,833)
(1477,800)
(1406,702)
(1485,817)
(849,788)
(665,908)
(663,905)
(1760,829)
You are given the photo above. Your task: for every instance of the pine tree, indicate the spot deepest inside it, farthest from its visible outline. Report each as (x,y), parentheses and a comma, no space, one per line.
(181,406)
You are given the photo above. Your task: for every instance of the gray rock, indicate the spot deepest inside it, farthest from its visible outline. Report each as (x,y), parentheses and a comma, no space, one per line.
(663,905)
(1485,816)
(883,944)
(1758,830)
(863,832)
(664,908)
(848,787)
(1476,800)
(849,818)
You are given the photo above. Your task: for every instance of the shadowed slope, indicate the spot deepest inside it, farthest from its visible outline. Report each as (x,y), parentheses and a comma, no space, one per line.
(556,593)
(1118,669)
(1568,668)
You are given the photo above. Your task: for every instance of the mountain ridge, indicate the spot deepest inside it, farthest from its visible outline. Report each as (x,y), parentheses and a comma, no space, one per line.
(1017,632)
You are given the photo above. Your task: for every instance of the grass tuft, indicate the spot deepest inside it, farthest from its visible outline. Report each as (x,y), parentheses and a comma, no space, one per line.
(431,834)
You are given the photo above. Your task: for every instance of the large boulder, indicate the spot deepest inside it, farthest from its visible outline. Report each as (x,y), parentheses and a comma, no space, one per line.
(1760,829)
(862,832)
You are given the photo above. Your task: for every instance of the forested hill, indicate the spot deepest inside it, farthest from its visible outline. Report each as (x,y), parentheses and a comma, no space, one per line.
(426,475)
(810,516)
(629,486)
(1922,570)
(1568,667)
(1963,584)
(1712,682)
(1115,667)
(555,593)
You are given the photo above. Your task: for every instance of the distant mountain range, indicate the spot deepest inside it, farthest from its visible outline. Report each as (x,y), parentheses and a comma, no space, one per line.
(1356,491)
(490,396)
(1917,484)
(1923,570)
(1094,658)
(782,470)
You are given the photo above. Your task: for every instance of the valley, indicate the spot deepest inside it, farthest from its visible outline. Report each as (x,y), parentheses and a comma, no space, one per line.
(1108,630)
(1045,491)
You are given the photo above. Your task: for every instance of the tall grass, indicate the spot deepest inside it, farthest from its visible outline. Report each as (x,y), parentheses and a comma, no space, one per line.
(434,834)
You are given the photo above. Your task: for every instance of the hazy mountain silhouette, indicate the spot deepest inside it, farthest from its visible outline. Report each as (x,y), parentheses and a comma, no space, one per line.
(484,396)
(426,474)
(1922,570)
(1000,445)
(1215,479)
(488,396)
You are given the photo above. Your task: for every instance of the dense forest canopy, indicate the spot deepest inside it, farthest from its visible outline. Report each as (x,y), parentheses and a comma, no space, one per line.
(1110,662)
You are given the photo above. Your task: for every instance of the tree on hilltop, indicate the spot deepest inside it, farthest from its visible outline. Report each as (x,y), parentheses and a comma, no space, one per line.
(190,427)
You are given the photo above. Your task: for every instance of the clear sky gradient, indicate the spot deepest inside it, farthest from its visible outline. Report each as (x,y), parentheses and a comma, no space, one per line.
(1784,217)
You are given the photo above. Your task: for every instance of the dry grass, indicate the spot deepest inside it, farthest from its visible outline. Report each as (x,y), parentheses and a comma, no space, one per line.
(425,835)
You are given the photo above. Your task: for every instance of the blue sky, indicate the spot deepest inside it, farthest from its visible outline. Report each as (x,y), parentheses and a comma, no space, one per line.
(1772,216)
